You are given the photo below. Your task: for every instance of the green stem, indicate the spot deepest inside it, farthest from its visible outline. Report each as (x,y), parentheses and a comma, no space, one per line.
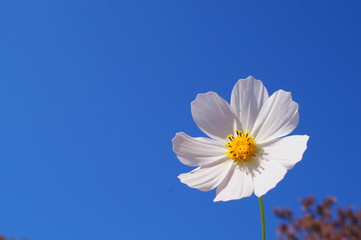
(262,218)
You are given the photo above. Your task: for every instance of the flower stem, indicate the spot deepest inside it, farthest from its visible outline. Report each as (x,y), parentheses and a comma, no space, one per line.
(262,218)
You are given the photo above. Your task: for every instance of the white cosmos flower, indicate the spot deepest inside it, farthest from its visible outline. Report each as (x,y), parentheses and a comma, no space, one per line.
(245,152)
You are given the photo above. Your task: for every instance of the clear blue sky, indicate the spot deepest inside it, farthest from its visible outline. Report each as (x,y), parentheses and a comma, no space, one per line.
(92,92)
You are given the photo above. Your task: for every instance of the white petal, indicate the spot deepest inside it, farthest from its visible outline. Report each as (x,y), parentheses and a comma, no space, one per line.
(207,177)
(267,175)
(286,151)
(248,96)
(213,115)
(277,118)
(237,184)
(197,151)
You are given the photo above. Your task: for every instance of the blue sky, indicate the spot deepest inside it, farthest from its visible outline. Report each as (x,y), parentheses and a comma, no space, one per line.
(92,92)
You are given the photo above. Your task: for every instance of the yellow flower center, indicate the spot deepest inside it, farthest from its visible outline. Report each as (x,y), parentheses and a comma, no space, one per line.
(241,147)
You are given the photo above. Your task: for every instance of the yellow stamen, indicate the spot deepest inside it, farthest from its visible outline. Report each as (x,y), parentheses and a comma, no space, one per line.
(241,147)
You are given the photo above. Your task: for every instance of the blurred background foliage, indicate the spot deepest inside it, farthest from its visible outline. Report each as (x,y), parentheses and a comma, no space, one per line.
(319,221)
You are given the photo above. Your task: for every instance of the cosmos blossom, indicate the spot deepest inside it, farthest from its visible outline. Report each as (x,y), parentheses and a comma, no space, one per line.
(247,151)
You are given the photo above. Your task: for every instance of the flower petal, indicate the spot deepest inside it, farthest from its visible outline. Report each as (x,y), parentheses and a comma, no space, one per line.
(237,184)
(248,96)
(266,176)
(277,118)
(207,177)
(213,115)
(286,151)
(197,151)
